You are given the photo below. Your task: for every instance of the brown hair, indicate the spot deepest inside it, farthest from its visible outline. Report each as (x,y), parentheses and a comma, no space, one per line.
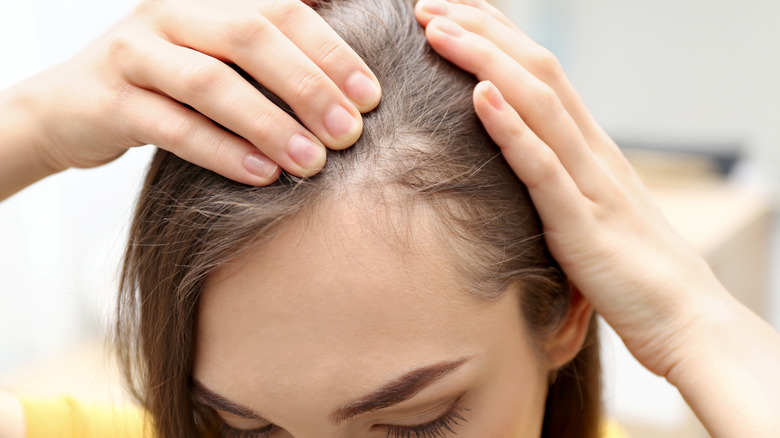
(425,143)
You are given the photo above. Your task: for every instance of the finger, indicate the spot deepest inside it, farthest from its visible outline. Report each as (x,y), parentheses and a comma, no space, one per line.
(490,9)
(158,120)
(479,17)
(555,195)
(255,44)
(221,94)
(483,19)
(535,101)
(427,9)
(317,40)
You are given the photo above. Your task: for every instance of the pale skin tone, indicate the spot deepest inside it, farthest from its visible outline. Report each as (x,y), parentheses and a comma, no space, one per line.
(122,92)
(365,312)
(600,224)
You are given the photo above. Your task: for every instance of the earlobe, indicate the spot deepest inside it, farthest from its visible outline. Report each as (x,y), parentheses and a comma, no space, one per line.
(565,343)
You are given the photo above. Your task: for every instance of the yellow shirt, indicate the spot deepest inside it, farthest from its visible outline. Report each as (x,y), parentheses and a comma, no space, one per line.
(65,417)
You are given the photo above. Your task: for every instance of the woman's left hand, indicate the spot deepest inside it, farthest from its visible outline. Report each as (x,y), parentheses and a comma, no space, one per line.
(603,227)
(598,218)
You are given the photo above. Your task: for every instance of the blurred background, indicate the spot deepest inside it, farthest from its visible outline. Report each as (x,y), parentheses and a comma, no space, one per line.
(688,88)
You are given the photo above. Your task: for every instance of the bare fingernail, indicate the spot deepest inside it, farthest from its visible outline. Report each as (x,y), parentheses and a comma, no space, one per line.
(305,152)
(260,165)
(362,89)
(435,7)
(339,122)
(494,96)
(449,27)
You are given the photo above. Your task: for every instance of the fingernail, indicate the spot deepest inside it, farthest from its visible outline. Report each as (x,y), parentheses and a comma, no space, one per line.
(435,7)
(494,96)
(449,27)
(260,165)
(362,89)
(339,122)
(305,152)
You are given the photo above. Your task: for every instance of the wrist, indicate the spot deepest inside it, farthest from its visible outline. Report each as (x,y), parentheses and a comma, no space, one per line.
(39,101)
(671,322)
(24,158)
(727,371)
(711,325)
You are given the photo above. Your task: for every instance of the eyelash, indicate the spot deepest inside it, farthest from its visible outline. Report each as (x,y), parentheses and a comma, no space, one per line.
(230,432)
(437,428)
(433,429)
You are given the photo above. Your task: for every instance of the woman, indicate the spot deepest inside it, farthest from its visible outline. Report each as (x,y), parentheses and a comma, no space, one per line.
(421,255)
(593,210)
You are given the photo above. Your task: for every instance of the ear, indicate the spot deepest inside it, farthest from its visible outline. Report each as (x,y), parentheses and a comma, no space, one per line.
(563,345)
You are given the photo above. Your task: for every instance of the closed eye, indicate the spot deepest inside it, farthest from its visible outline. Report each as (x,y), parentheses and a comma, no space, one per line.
(394,392)
(438,428)
(262,432)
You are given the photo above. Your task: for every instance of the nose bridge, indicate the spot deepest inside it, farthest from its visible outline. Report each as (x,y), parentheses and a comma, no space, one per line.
(322,428)
(307,416)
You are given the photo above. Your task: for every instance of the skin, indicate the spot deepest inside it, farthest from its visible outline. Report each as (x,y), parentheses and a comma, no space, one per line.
(124,91)
(295,347)
(670,310)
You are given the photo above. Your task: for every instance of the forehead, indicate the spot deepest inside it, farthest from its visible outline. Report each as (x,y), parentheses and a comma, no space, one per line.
(333,293)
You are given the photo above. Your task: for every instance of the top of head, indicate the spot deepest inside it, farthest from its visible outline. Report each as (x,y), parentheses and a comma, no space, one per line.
(422,146)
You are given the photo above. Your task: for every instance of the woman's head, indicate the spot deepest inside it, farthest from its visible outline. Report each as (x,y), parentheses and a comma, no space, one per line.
(414,256)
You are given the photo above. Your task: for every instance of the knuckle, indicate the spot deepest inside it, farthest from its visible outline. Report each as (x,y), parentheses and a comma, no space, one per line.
(220,148)
(545,169)
(332,53)
(263,124)
(473,3)
(119,101)
(176,131)
(487,54)
(247,30)
(202,77)
(545,98)
(151,8)
(478,21)
(147,7)
(517,132)
(548,164)
(545,65)
(120,49)
(285,10)
(309,85)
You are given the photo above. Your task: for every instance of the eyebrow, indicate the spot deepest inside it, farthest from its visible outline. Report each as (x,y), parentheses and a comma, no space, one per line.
(213,400)
(398,390)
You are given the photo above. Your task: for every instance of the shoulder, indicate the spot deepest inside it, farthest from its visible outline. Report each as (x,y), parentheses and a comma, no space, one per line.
(47,417)
(611,429)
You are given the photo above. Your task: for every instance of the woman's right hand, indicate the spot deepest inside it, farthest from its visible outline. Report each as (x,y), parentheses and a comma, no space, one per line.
(127,90)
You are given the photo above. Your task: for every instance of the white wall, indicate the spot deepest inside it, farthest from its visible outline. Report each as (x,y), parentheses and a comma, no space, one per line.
(666,70)
(59,239)
(695,71)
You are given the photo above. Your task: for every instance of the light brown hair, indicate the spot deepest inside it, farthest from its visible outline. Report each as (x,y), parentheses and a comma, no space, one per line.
(425,143)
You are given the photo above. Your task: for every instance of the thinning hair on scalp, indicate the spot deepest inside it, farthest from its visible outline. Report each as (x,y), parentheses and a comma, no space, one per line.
(425,145)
